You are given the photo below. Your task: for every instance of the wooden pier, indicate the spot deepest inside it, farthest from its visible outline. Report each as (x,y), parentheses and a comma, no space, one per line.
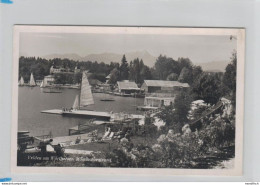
(80,113)
(90,114)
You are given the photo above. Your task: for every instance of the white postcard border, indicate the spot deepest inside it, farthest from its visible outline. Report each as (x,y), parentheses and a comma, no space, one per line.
(239,33)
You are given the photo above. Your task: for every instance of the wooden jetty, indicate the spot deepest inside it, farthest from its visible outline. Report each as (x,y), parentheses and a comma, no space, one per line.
(82,113)
(106,116)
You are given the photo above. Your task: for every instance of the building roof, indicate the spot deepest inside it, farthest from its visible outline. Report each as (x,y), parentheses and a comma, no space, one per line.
(164,83)
(127,85)
(49,76)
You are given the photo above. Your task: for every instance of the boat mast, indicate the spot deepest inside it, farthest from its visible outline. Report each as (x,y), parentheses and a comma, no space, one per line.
(80,88)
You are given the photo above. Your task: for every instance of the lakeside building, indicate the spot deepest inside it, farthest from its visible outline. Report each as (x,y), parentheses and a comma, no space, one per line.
(106,87)
(77,70)
(48,80)
(157,102)
(153,86)
(159,93)
(58,70)
(127,87)
(38,82)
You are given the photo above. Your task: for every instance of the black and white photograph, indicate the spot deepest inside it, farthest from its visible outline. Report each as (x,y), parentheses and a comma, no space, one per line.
(162,98)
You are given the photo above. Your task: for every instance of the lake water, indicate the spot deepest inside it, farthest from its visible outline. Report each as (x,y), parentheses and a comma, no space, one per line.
(33,100)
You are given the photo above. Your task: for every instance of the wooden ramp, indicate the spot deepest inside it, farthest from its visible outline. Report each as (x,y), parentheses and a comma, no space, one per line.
(193,123)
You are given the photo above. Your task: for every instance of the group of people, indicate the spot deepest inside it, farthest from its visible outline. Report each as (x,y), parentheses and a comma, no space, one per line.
(116,135)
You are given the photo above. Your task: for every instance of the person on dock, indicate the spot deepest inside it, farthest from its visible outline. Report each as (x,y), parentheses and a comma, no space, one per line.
(43,145)
(60,150)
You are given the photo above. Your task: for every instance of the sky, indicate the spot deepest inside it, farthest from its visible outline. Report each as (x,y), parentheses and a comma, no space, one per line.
(200,49)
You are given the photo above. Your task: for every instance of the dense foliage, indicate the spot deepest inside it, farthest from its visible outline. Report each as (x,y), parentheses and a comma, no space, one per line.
(230,78)
(41,67)
(165,68)
(208,88)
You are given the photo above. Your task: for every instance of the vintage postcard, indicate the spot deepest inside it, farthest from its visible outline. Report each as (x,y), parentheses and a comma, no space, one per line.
(128,100)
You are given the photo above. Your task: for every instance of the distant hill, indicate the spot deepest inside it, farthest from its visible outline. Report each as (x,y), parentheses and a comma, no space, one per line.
(71,56)
(148,59)
(215,66)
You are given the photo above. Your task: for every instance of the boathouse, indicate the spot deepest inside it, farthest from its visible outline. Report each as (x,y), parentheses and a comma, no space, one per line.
(127,87)
(157,86)
(159,93)
(157,102)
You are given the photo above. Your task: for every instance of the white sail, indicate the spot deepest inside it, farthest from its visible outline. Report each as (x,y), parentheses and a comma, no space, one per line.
(21,82)
(41,84)
(76,103)
(32,82)
(86,97)
(44,82)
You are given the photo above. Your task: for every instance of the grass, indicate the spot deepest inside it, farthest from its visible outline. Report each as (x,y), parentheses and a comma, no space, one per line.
(103,146)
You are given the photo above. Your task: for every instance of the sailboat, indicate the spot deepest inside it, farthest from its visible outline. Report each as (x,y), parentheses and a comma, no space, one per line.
(32,82)
(41,86)
(21,82)
(85,98)
(51,90)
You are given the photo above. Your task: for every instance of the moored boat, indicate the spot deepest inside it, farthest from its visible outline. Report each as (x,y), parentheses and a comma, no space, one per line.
(21,82)
(85,97)
(52,90)
(107,99)
(32,81)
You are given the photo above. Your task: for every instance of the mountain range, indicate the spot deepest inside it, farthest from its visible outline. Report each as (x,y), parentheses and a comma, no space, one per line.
(214,66)
(148,59)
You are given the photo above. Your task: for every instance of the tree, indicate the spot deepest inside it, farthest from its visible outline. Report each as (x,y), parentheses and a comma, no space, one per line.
(63,78)
(185,75)
(208,88)
(77,78)
(134,74)
(182,104)
(172,77)
(175,116)
(165,66)
(124,70)
(184,62)
(230,77)
(115,75)
(196,72)
(138,72)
